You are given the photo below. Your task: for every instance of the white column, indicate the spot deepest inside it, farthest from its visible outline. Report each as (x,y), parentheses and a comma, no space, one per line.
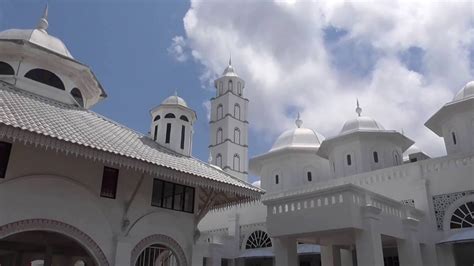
(428,253)
(409,253)
(368,240)
(445,255)
(123,253)
(346,257)
(285,252)
(330,256)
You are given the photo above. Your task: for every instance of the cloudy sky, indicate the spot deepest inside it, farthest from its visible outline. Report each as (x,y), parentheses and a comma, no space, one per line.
(402,60)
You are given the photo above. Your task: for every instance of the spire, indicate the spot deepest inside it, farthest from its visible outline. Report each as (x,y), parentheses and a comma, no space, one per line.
(298,121)
(358,109)
(43,23)
(230,59)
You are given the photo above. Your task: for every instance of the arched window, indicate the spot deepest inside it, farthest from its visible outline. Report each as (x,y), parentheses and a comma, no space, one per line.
(158,117)
(277,179)
(376,157)
(396,158)
(77,95)
(184,118)
(6,69)
(453,135)
(258,239)
(237,135)
(237,111)
(309,175)
(220,111)
(155,134)
(334,167)
(219,136)
(231,86)
(349,159)
(219,160)
(170,115)
(221,88)
(239,89)
(463,217)
(183,136)
(45,77)
(236,165)
(168,133)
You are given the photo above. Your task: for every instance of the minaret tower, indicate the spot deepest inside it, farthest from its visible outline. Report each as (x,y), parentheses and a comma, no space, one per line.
(229,125)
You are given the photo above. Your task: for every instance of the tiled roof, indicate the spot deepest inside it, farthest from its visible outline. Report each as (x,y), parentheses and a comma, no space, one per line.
(33,113)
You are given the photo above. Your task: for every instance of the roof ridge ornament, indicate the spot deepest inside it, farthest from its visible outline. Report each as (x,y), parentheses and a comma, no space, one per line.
(358,109)
(43,23)
(298,121)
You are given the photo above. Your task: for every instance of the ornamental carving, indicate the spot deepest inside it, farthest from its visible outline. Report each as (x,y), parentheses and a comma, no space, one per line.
(442,202)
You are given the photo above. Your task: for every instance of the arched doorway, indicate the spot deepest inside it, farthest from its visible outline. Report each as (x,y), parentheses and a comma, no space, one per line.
(42,248)
(158,250)
(38,241)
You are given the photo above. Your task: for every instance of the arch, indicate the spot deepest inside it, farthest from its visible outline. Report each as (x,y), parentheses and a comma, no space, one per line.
(6,69)
(463,216)
(376,156)
(58,227)
(237,111)
(219,136)
(220,112)
(451,209)
(161,240)
(170,115)
(184,118)
(309,176)
(46,77)
(453,137)
(258,239)
(239,89)
(158,117)
(219,160)
(349,159)
(77,95)
(231,86)
(236,163)
(221,88)
(396,158)
(237,135)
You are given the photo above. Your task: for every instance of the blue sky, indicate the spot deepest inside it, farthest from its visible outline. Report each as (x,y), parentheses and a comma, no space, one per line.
(295,56)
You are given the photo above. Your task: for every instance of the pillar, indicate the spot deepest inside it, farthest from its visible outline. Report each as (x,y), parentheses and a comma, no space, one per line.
(330,256)
(445,254)
(346,257)
(285,252)
(409,252)
(368,240)
(48,256)
(123,253)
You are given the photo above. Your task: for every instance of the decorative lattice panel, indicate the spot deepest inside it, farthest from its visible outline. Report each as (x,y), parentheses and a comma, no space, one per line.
(442,202)
(408,202)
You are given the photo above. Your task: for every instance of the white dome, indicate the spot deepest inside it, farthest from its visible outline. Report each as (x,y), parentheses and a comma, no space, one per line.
(229,72)
(465,92)
(175,99)
(298,138)
(38,37)
(361,123)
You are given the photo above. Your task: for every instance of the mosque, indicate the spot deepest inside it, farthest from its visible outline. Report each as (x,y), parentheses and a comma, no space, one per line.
(77,188)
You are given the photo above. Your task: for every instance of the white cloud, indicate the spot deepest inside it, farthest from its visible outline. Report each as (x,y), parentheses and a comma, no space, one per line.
(292,61)
(177,49)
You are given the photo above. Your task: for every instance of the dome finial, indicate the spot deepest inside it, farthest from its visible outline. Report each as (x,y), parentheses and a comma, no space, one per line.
(43,23)
(298,121)
(358,109)
(230,59)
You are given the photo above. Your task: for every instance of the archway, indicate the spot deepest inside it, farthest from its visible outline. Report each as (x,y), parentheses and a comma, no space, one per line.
(158,250)
(47,242)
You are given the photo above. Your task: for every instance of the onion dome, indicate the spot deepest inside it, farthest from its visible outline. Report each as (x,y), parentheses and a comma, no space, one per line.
(175,100)
(298,138)
(38,36)
(229,70)
(466,92)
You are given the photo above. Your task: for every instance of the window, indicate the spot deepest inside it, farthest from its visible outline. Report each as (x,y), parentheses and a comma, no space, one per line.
(157,118)
(109,182)
(236,163)
(453,135)
(239,89)
(376,157)
(184,118)
(258,239)
(349,159)
(221,88)
(172,196)
(170,115)
(5,149)
(231,87)
(77,95)
(45,77)
(309,175)
(277,179)
(237,111)
(396,160)
(155,134)
(463,217)
(183,132)
(334,167)
(220,111)
(168,133)
(219,136)
(6,69)
(219,160)
(237,135)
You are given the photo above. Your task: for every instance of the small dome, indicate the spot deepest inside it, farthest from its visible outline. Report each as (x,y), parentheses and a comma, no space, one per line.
(175,99)
(229,72)
(465,92)
(361,123)
(298,138)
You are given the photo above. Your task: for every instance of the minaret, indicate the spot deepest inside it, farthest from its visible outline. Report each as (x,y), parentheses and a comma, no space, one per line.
(229,125)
